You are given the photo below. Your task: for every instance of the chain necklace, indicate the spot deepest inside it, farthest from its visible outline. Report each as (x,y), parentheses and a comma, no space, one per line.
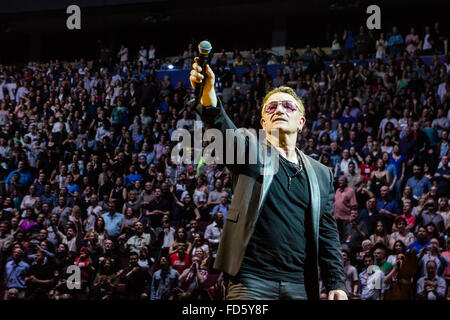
(300,168)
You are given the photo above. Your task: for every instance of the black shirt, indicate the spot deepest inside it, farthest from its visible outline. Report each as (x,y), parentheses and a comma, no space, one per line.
(276,250)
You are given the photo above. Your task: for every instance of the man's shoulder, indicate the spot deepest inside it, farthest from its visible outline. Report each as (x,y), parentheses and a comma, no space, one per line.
(317,166)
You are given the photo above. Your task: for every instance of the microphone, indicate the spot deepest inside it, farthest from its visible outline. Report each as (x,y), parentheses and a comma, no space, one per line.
(204,48)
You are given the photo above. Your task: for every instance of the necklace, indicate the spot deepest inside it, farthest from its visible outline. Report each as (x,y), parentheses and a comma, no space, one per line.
(300,168)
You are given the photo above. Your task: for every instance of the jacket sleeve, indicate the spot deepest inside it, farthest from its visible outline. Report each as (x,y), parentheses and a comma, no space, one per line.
(330,258)
(217,118)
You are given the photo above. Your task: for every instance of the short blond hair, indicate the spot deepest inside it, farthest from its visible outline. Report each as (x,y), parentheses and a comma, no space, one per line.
(289,91)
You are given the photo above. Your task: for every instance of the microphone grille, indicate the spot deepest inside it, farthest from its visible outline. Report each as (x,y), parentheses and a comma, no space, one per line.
(204,47)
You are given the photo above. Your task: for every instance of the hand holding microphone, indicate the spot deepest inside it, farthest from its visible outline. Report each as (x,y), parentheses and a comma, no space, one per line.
(202,77)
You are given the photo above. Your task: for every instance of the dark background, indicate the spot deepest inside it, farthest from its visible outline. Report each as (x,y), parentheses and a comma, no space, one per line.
(37,29)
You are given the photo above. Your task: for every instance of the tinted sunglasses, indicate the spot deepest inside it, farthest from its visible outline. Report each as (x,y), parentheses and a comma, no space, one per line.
(289,106)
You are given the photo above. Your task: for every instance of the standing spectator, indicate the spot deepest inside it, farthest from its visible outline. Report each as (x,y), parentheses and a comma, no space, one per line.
(136,279)
(352,280)
(113,220)
(395,42)
(412,42)
(344,201)
(123,55)
(371,280)
(418,182)
(16,271)
(180,259)
(164,281)
(214,231)
(431,286)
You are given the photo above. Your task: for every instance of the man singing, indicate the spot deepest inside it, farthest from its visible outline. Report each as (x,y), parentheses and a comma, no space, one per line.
(279,229)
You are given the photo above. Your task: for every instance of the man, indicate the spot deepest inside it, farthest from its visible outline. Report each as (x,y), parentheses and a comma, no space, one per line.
(370,215)
(214,231)
(421,241)
(16,271)
(432,252)
(442,177)
(140,239)
(113,220)
(193,278)
(352,280)
(418,182)
(428,214)
(40,277)
(388,207)
(136,278)
(371,280)
(164,281)
(344,201)
(352,176)
(379,253)
(223,206)
(431,287)
(278,222)
(157,207)
(355,232)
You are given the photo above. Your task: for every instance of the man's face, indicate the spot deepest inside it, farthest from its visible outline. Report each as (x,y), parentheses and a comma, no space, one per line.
(39,256)
(17,253)
(107,244)
(368,261)
(422,233)
(371,203)
(431,270)
(341,182)
(133,260)
(139,227)
(379,255)
(43,234)
(445,161)
(384,191)
(282,120)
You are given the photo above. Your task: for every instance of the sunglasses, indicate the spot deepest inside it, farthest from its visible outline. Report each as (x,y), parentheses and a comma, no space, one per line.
(289,106)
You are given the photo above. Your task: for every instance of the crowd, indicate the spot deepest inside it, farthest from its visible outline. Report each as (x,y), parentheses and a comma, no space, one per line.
(93,206)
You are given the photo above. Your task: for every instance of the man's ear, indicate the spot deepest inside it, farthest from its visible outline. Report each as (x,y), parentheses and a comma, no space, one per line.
(262,122)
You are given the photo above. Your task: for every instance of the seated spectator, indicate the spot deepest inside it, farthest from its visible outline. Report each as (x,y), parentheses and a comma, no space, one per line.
(370,215)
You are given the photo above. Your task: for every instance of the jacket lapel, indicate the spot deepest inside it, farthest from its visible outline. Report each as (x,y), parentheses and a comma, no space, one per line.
(314,194)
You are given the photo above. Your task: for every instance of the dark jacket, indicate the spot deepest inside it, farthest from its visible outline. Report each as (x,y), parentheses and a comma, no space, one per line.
(251,183)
